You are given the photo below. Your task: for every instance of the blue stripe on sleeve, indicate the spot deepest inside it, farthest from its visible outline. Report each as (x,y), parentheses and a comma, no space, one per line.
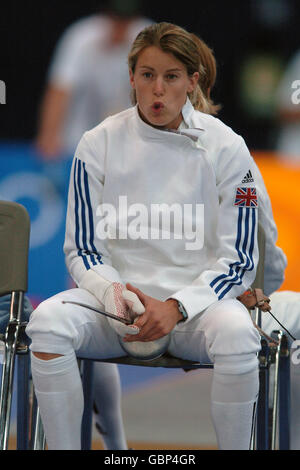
(244,247)
(90,214)
(76,209)
(238,279)
(237,244)
(246,263)
(83,216)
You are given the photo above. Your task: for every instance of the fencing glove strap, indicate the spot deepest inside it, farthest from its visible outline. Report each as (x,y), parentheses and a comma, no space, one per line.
(116,299)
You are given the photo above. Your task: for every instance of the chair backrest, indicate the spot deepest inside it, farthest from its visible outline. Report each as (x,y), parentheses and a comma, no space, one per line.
(14,246)
(261,240)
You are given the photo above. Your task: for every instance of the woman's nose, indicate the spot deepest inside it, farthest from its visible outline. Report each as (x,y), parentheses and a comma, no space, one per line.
(158,87)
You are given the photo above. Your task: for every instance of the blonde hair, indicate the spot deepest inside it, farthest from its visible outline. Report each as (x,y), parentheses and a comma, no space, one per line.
(190,50)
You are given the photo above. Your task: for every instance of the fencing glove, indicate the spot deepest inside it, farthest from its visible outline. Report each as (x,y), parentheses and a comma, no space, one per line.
(116,299)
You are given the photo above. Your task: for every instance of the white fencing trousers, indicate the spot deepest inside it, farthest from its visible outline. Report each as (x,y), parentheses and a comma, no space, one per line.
(223,330)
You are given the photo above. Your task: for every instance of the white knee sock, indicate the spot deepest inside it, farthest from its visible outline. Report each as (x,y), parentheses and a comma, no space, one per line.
(233,408)
(107,396)
(58,389)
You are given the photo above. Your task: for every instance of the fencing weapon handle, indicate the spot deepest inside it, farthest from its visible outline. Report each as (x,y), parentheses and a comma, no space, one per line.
(106,314)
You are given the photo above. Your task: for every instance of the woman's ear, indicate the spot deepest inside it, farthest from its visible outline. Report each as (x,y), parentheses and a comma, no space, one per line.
(131,79)
(193,81)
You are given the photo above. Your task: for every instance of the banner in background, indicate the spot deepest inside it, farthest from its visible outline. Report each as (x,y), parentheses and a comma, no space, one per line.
(42,189)
(282,180)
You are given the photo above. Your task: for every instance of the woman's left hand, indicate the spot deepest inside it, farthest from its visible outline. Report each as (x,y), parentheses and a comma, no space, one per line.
(157,321)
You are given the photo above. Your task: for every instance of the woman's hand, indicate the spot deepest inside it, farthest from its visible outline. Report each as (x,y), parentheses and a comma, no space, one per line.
(158,320)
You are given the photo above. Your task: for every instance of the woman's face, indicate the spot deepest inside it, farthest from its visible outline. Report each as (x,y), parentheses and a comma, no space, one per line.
(161,84)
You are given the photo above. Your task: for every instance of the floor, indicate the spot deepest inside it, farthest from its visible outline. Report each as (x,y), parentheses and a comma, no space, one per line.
(167,410)
(162,409)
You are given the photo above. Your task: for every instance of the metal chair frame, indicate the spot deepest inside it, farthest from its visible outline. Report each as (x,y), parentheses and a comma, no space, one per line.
(14,243)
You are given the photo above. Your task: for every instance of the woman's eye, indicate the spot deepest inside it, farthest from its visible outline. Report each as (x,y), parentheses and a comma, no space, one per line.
(147,74)
(171,76)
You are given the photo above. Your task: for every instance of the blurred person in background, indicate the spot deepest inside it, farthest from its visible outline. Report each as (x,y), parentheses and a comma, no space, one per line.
(288,108)
(259,70)
(88,81)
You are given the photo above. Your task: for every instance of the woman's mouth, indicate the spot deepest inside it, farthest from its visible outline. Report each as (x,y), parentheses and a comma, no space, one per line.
(157,107)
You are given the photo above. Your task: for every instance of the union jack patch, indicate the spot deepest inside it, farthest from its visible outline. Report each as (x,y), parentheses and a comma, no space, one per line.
(246,197)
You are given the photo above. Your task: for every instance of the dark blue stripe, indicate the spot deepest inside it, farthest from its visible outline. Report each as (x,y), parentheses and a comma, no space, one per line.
(83,220)
(90,212)
(76,206)
(241,254)
(238,279)
(244,251)
(77,228)
(237,266)
(237,244)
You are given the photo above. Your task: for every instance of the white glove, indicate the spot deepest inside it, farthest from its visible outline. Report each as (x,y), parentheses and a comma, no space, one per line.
(116,300)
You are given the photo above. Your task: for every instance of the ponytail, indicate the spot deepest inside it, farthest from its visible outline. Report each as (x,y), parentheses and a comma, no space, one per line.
(200,98)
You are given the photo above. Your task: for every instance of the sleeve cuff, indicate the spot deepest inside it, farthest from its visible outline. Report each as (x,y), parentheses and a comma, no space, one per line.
(195,299)
(108,272)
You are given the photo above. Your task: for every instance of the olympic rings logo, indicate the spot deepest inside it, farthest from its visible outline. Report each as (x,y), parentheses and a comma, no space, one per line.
(42,194)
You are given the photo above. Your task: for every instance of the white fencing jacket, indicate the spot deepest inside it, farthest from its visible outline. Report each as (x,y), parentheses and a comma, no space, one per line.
(208,251)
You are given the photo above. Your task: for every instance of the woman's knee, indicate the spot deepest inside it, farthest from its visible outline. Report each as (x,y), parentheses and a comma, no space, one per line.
(50,331)
(45,316)
(232,332)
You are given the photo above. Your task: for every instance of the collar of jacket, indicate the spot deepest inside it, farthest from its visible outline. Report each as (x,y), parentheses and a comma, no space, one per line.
(185,129)
(187,126)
